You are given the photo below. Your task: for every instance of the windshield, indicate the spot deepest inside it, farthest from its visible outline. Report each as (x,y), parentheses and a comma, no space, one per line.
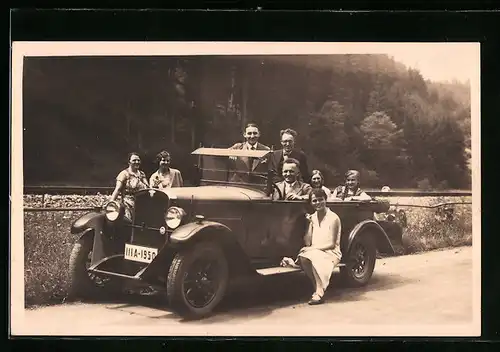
(233,167)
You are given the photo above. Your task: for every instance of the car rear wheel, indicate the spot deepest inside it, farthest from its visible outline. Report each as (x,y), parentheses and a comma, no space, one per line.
(360,261)
(197,280)
(84,284)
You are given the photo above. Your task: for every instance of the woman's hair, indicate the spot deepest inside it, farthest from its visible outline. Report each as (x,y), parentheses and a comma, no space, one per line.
(348,174)
(133,153)
(162,155)
(318,193)
(355,173)
(317,172)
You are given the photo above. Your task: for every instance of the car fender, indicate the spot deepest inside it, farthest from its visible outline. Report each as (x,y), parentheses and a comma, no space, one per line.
(87,221)
(382,241)
(192,230)
(189,233)
(91,224)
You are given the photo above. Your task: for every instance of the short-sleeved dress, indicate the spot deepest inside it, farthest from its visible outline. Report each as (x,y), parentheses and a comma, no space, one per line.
(131,184)
(324,261)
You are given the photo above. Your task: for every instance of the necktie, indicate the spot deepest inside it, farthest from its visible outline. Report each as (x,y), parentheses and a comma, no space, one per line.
(285,156)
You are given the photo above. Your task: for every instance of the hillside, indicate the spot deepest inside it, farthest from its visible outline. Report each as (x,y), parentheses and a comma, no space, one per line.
(83,115)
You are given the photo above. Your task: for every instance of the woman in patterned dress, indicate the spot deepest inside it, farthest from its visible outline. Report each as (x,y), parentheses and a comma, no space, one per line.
(351,189)
(129,181)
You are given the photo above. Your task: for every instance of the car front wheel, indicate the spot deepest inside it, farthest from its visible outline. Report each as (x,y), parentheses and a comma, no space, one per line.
(360,261)
(197,280)
(83,283)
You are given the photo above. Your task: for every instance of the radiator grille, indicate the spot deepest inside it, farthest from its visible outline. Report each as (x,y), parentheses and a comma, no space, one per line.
(149,217)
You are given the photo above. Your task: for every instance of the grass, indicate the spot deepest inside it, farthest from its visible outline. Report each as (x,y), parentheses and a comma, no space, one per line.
(48,243)
(427,231)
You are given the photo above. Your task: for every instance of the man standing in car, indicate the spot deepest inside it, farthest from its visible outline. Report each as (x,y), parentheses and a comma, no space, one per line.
(243,165)
(279,156)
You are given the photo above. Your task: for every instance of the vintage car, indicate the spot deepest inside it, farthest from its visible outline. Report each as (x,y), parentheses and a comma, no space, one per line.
(191,242)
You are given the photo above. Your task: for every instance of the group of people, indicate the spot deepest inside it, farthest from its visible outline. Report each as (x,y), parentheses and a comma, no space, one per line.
(321,251)
(291,169)
(133,179)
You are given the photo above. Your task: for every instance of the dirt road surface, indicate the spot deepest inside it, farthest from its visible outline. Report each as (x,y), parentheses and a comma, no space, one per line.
(408,293)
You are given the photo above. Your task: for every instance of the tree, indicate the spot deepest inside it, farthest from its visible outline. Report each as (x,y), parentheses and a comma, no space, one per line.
(383,148)
(324,134)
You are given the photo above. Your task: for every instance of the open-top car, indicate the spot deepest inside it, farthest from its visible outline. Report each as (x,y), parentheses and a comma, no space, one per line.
(191,242)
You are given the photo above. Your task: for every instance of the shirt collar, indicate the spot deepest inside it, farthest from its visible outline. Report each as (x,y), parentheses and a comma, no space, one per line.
(249,146)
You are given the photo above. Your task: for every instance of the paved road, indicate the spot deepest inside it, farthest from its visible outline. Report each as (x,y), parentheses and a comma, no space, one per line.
(429,289)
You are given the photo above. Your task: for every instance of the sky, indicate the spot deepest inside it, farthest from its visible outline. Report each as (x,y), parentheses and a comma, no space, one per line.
(436,61)
(439,62)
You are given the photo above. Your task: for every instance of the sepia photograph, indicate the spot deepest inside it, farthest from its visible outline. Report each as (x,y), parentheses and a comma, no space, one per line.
(245,189)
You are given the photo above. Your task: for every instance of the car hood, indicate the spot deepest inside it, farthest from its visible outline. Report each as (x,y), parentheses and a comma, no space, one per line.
(214,193)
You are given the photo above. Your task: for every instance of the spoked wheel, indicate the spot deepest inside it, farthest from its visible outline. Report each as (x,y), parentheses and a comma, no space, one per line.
(360,261)
(83,283)
(201,283)
(197,280)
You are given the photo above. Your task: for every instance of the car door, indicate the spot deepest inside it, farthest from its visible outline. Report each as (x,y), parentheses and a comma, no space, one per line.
(275,229)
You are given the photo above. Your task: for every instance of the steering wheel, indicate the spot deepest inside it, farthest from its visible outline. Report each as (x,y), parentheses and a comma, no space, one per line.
(275,187)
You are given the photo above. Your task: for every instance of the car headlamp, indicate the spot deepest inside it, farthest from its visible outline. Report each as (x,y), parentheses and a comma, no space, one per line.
(173,217)
(112,210)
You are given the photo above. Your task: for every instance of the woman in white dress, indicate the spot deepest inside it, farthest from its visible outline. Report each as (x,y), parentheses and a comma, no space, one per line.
(321,253)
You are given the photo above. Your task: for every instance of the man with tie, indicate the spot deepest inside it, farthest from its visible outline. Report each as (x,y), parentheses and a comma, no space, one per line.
(279,156)
(291,187)
(244,166)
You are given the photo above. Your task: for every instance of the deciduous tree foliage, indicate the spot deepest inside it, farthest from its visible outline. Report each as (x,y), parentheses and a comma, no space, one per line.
(82,115)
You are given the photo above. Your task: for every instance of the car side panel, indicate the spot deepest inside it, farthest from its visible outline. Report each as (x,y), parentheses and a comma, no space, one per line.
(350,215)
(275,228)
(230,213)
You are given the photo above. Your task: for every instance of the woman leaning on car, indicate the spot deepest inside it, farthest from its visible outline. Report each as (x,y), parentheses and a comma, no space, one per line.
(129,181)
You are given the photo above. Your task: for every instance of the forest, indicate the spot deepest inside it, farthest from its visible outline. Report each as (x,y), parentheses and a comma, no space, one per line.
(83,115)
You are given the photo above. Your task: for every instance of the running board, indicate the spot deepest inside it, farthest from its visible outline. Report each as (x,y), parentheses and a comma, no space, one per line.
(282,270)
(277,270)
(109,273)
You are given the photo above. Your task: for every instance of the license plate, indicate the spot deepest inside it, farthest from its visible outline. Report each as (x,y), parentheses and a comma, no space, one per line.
(139,253)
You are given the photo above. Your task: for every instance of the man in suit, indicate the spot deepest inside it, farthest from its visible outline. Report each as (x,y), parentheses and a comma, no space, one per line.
(291,188)
(279,156)
(244,166)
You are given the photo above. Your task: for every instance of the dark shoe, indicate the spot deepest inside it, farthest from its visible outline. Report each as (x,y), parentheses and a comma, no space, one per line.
(315,299)
(148,291)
